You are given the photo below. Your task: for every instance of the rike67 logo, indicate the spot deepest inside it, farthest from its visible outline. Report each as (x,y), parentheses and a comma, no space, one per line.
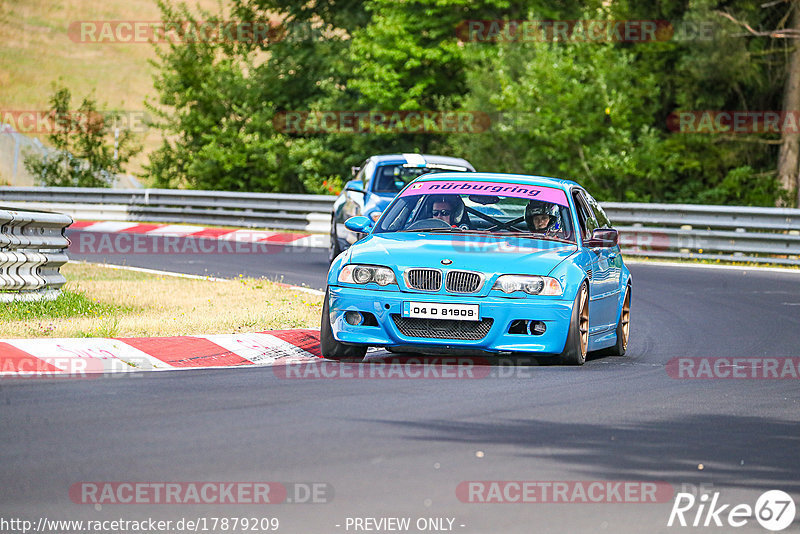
(774,510)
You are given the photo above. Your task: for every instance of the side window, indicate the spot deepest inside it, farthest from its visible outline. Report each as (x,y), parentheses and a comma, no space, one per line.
(368,169)
(360,174)
(585,216)
(580,213)
(599,214)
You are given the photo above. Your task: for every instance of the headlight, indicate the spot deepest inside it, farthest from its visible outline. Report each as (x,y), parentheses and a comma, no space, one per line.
(532,285)
(364,274)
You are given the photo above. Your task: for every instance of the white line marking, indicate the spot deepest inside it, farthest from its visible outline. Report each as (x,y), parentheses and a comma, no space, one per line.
(307,290)
(176,230)
(710,266)
(108,226)
(153,271)
(192,276)
(248,236)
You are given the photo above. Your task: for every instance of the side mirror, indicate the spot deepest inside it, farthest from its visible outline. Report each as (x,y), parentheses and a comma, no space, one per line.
(603,238)
(355,186)
(354,170)
(358,224)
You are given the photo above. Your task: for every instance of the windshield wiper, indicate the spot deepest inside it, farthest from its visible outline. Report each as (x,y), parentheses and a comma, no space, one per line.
(458,230)
(534,235)
(448,230)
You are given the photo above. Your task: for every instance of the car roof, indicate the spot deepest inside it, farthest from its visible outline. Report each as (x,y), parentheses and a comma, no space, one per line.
(428,158)
(500,177)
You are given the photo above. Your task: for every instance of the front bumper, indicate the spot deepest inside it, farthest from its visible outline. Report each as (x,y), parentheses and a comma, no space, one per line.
(553,311)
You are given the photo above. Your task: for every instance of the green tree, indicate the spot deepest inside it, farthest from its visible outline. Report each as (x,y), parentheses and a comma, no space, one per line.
(580,111)
(218,102)
(599,112)
(721,67)
(83,154)
(595,112)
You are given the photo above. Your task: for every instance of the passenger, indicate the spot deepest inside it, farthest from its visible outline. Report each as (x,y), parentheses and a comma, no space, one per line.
(539,217)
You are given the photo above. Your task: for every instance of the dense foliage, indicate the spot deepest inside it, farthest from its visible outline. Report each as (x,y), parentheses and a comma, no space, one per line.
(597,111)
(84,154)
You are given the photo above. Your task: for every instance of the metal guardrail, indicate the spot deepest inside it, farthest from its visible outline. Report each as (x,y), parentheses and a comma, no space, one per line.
(765,235)
(32,245)
(690,231)
(310,213)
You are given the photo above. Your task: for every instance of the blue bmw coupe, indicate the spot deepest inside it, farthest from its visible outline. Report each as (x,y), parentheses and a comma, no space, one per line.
(494,264)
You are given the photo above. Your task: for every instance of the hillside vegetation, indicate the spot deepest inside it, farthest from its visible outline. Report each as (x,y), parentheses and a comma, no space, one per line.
(36,51)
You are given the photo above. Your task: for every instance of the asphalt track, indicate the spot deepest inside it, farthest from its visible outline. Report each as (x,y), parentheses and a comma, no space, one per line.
(294,265)
(400,447)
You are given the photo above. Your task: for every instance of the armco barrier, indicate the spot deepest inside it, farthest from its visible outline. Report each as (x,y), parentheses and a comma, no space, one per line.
(655,230)
(310,213)
(32,245)
(762,235)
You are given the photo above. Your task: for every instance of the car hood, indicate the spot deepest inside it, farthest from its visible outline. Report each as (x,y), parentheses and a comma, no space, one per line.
(486,254)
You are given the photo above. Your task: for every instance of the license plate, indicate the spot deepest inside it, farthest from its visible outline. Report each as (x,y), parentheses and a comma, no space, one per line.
(438,310)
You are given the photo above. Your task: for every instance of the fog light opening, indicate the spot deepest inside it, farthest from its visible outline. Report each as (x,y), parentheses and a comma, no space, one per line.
(536,328)
(517,326)
(353,317)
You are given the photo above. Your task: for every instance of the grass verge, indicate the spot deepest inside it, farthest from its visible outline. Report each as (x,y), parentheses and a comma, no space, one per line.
(100,301)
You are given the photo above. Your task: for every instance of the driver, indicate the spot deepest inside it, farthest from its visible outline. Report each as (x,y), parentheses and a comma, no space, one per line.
(443,210)
(540,218)
(449,209)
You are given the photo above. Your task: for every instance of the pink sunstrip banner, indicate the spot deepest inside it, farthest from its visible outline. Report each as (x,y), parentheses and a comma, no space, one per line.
(547,194)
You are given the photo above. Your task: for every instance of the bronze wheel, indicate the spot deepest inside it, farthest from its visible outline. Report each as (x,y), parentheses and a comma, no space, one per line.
(623,329)
(625,320)
(577,343)
(583,321)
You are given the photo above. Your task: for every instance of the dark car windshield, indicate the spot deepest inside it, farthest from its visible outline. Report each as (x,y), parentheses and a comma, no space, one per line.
(526,211)
(393,178)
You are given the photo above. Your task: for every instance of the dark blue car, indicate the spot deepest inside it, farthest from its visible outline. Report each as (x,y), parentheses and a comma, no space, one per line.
(376,183)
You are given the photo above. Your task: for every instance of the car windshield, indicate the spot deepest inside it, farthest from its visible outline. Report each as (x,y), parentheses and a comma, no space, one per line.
(523,210)
(393,178)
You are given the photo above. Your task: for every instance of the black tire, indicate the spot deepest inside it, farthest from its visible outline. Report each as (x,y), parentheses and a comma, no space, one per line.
(575,348)
(623,328)
(333,248)
(332,349)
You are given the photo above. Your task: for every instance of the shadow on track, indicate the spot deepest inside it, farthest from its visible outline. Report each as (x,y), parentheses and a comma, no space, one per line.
(736,451)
